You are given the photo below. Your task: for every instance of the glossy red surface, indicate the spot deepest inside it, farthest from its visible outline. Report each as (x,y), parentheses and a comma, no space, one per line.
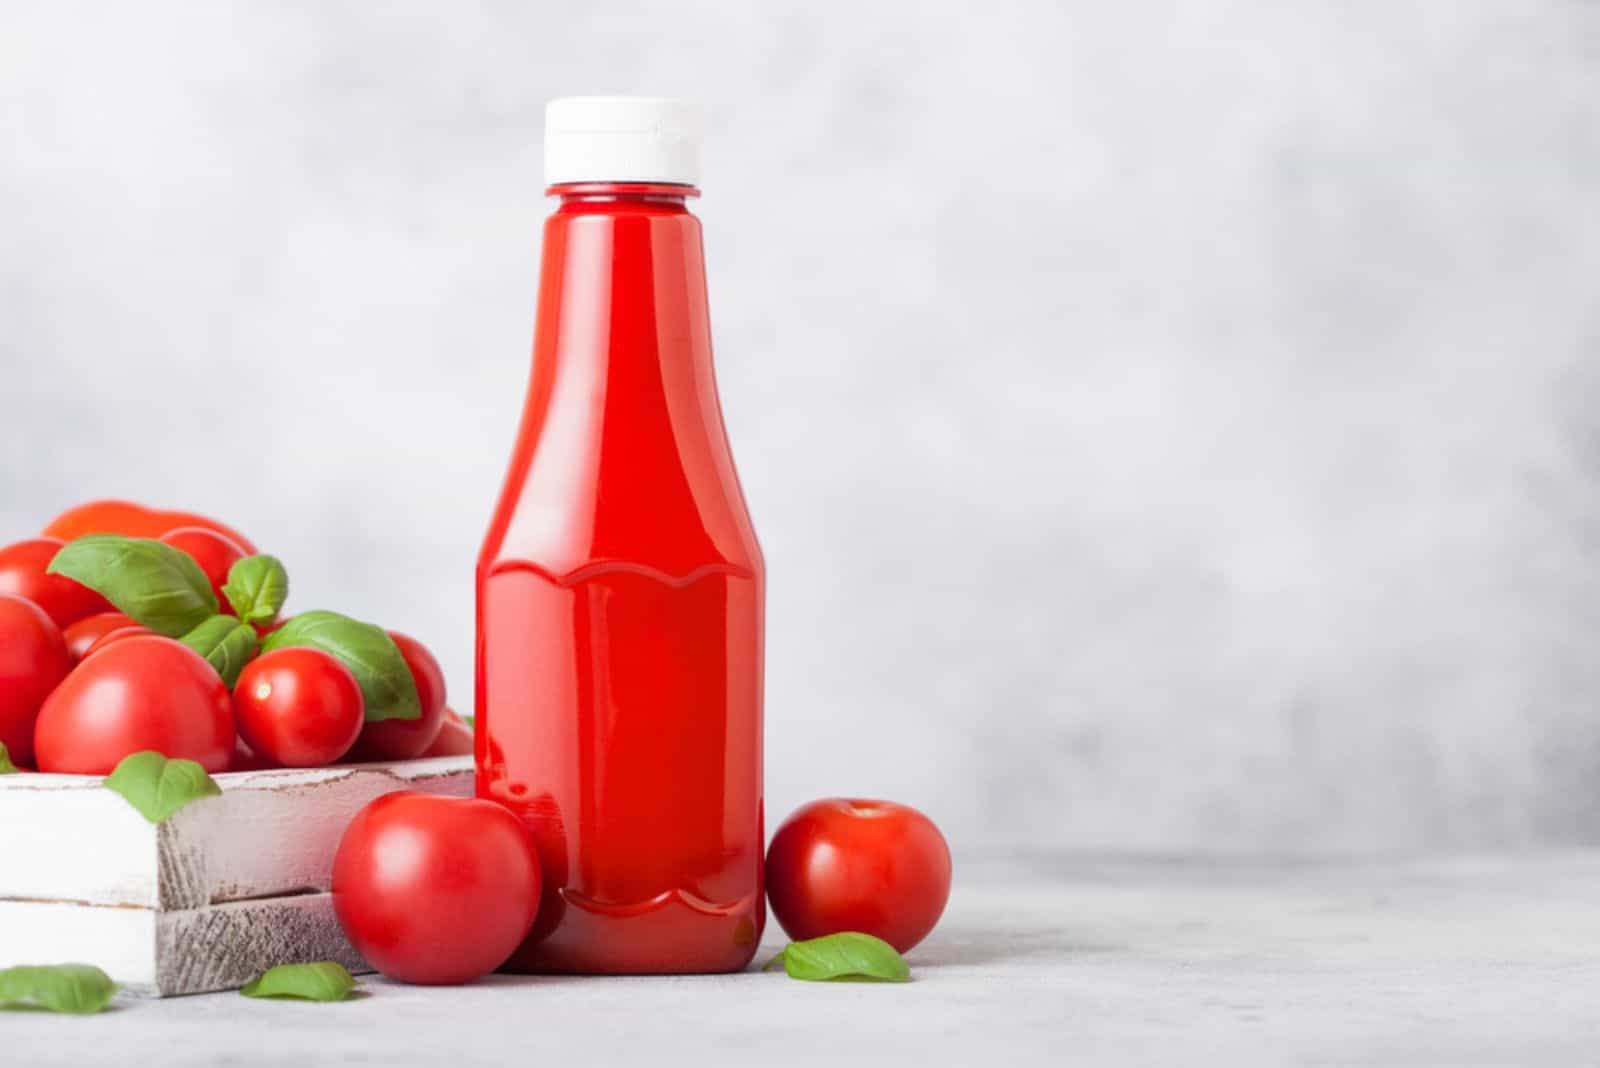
(134,521)
(407,739)
(216,553)
(846,864)
(436,890)
(33,661)
(82,635)
(620,604)
(143,692)
(454,738)
(23,574)
(297,708)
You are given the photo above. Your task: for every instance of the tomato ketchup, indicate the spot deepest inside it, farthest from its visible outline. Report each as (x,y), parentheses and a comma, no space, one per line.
(620,586)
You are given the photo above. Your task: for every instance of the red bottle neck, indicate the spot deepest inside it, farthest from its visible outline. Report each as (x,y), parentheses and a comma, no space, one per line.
(663,195)
(623,455)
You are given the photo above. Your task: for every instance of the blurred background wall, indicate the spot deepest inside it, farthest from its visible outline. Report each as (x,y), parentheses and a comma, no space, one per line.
(1170,425)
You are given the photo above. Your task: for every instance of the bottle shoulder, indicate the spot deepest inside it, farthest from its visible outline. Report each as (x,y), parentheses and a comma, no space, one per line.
(622,458)
(576,529)
(653,486)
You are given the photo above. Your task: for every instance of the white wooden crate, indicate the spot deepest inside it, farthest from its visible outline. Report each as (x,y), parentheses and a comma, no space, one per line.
(226,888)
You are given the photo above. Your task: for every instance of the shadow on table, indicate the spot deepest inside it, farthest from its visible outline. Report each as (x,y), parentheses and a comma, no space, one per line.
(507,979)
(938,952)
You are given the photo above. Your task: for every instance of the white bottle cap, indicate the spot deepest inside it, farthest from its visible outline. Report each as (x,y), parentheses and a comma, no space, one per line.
(621,139)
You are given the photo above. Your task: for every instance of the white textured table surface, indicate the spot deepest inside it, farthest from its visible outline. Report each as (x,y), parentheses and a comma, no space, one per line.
(1065,960)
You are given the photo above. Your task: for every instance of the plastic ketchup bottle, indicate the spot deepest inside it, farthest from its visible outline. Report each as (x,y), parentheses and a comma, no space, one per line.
(620,586)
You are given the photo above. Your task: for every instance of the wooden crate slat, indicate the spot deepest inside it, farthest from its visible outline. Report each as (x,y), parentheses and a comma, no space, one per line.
(271,833)
(65,842)
(162,954)
(225,946)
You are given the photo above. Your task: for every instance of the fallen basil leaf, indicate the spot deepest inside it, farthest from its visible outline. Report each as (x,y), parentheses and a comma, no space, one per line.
(76,988)
(845,955)
(146,580)
(6,767)
(373,658)
(157,786)
(226,643)
(323,981)
(257,587)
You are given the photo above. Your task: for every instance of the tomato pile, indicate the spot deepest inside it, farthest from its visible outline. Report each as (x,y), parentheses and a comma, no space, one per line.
(125,629)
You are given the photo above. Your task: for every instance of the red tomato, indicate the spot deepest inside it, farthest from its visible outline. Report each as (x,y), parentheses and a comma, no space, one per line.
(117,635)
(33,660)
(143,692)
(870,866)
(246,759)
(435,889)
(299,708)
(133,521)
(454,739)
(22,574)
(264,629)
(85,632)
(406,739)
(215,553)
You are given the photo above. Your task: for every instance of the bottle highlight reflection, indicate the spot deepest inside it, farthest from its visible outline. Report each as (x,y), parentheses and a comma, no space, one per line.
(620,608)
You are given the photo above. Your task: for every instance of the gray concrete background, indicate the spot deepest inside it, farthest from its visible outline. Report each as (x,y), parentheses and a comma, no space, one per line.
(1169,425)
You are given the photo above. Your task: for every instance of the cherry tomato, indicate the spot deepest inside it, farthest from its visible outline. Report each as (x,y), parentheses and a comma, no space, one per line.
(85,632)
(133,521)
(22,573)
(33,661)
(870,866)
(143,692)
(406,739)
(215,553)
(435,889)
(299,708)
(454,739)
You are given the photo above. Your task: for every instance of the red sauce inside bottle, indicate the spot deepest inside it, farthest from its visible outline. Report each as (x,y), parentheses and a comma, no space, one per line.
(620,607)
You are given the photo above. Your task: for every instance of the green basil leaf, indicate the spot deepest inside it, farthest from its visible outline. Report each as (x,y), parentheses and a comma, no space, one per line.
(150,582)
(6,767)
(371,655)
(323,981)
(257,587)
(74,988)
(845,955)
(158,787)
(226,643)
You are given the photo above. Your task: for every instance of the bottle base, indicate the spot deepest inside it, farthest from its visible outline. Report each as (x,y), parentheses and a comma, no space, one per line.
(675,933)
